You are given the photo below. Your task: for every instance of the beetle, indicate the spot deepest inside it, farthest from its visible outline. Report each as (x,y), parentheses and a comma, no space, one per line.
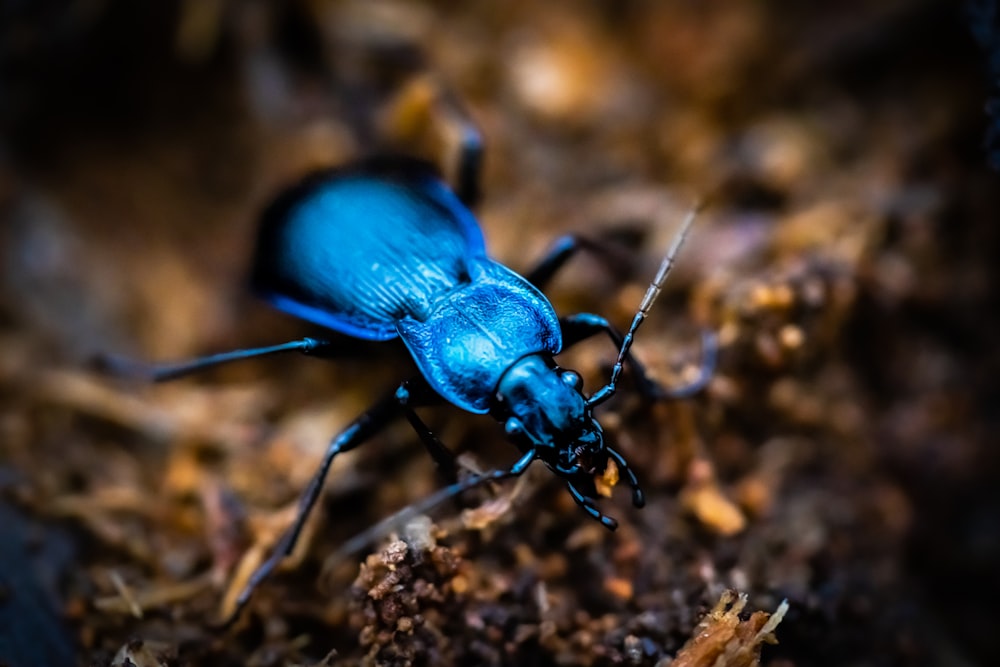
(384,249)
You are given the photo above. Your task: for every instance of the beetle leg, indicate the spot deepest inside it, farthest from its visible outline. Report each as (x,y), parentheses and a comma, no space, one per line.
(160,372)
(443,457)
(638,498)
(709,355)
(456,124)
(400,519)
(581,326)
(588,506)
(607,247)
(557,256)
(361,429)
(468,171)
(441,118)
(472,481)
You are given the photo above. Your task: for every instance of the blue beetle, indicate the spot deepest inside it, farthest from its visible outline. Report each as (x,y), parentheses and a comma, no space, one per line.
(384,249)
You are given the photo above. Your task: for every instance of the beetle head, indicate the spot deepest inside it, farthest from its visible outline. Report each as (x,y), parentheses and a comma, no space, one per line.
(545,411)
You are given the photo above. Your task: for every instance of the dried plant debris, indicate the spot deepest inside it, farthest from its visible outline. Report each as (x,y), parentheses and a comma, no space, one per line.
(405,603)
(722,639)
(141,653)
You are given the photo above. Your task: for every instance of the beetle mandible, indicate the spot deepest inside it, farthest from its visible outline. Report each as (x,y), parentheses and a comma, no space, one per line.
(383,249)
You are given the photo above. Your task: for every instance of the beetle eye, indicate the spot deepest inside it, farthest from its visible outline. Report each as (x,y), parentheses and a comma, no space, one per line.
(514,426)
(573,379)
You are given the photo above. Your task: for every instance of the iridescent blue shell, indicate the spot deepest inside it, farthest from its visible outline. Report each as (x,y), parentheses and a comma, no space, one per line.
(385,250)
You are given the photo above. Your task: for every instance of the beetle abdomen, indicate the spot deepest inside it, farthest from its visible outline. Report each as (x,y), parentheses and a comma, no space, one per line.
(357,251)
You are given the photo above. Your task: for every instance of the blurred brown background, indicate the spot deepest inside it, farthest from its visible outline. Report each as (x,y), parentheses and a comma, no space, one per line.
(844,456)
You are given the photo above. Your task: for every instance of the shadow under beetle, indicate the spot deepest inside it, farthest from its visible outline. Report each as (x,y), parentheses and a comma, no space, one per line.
(384,249)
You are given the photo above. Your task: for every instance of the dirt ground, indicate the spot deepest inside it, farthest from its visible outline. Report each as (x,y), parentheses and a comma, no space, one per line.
(843,457)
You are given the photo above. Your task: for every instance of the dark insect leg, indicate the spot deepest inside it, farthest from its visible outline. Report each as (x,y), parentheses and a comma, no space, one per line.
(443,457)
(475,480)
(160,372)
(608,248)
(638,498)
(588,506)
(557,256)
(398,520)
(459,130)
(581,326)
(709,356)
(470,163)
(445,118)
(364,427)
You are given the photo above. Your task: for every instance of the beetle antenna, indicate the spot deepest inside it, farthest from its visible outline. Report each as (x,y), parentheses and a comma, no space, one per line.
(653,291)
